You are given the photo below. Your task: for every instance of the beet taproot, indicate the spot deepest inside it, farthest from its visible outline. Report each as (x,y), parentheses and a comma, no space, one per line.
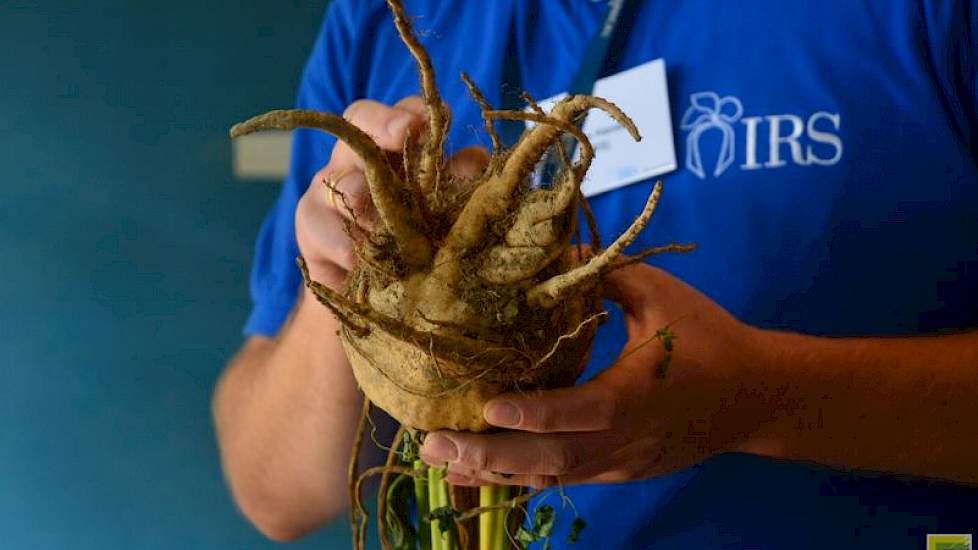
(467,289)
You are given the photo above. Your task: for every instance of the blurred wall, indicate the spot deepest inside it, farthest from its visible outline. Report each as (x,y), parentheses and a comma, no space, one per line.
(124,252)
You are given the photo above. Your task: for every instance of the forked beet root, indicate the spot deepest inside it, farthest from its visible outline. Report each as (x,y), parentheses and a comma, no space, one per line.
(467,289)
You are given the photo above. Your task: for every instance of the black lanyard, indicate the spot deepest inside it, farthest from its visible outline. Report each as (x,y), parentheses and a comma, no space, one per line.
(605,47)
(596,57)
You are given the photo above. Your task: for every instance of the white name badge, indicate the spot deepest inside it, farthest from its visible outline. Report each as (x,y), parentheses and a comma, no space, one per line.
(640,92)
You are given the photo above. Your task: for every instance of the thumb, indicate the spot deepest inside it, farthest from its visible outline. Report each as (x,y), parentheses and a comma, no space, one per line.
(587,407)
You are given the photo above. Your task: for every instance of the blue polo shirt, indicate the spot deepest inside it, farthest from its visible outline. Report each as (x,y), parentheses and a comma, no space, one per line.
(827,170)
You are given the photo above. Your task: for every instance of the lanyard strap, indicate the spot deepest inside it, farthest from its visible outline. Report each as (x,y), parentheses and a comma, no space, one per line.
(606,44)
(596,55)
(605,47)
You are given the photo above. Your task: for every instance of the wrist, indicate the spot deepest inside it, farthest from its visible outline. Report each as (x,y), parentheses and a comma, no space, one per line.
(310,338)
(312,317)
(762,348)
(766,393)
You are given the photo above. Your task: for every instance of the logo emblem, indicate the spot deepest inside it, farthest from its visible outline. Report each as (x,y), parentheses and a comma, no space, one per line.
(708,110)
(949,542)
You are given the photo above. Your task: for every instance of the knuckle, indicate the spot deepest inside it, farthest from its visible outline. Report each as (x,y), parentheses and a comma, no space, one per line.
(333,276)
(306,214)
(302,211)
(463,480)
(473,456)
(461,470)
(562,460)
(618,476)
(412,103)
(622,440)
(355,110)
(344,256)
(349,191)
(542,481)
(608,407)
(358,199)
(318,178)
(536,417)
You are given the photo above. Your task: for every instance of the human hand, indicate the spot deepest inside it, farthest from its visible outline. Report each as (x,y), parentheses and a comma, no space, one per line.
(326,211)
(627,423)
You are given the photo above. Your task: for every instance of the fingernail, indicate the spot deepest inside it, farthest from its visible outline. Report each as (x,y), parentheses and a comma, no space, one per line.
(438,448)
(397,125)
(504,414)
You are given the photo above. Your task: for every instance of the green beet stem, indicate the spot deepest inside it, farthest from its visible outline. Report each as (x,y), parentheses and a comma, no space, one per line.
(492,525)
(423,509)
(438,499)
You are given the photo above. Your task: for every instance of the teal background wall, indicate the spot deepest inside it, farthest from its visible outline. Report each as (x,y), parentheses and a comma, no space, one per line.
(124,251)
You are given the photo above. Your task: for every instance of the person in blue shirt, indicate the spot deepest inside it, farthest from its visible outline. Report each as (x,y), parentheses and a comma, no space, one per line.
(822,391)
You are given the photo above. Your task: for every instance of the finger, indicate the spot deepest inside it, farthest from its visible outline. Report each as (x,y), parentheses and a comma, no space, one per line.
(413,104)
(416,105)
(321,234)
(469,163)
(614,476)
(617,460)
(649,465)
(475,478)
(460,480)
(588,407)
(347,193)
(387,125)
(514,452)
(627,285)
(633,459)
(586,252)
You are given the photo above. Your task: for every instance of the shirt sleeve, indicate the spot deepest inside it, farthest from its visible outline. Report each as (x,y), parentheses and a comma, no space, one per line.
(327,85)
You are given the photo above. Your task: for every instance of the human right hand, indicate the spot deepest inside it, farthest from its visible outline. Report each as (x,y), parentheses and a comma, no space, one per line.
(323,213)
(632,421)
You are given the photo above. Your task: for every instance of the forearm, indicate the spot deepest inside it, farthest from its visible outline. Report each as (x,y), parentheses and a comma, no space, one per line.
(902,405)
(285,416)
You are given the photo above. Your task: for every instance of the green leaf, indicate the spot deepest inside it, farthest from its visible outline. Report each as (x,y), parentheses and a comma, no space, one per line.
(660,371)
(575,532)
(667,338)
(445,516)
(543,527)
(410,450)
(524,538)
(543,521)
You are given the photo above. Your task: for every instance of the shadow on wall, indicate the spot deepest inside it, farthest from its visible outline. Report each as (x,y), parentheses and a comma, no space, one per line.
(126,247)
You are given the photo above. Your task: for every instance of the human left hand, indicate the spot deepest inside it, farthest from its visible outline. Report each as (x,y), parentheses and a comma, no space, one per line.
(627,423)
